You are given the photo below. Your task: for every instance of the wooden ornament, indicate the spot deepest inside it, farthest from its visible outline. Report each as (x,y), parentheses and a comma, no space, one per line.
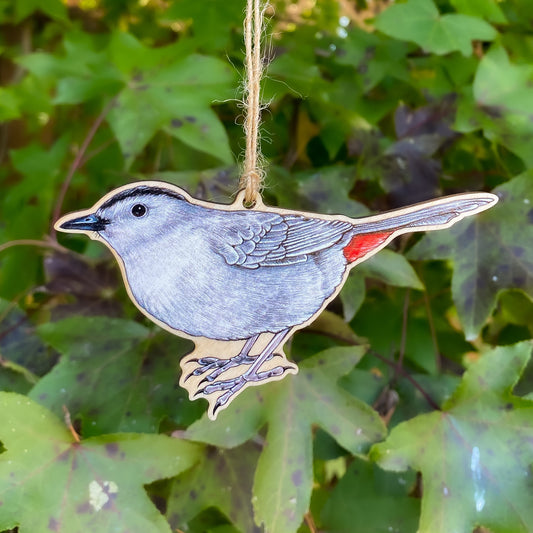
(239,282)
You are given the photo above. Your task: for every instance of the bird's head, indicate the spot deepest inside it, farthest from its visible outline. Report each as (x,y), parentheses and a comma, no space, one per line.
(131,217)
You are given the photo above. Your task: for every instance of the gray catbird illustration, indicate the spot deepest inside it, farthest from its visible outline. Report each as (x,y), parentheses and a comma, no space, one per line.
(231,274)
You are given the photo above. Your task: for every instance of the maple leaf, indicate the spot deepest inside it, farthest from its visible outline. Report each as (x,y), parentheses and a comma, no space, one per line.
(500,103)
(490,252)
(91,284)
(165,88)
(92,485)
(420,21)
(284,475)
(175,97)
(475,456)
(217,25)
(222,479)
(23,356)
(113,375)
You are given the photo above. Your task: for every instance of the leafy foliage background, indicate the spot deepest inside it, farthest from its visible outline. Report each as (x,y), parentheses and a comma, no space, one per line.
(371,105)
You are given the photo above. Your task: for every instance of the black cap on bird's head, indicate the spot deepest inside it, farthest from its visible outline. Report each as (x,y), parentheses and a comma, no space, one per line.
(128,214)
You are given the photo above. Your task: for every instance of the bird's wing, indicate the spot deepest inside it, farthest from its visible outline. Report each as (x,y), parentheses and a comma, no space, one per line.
(269,239)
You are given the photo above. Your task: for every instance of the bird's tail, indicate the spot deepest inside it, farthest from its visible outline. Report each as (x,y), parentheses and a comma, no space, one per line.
(435,214)
(373,233)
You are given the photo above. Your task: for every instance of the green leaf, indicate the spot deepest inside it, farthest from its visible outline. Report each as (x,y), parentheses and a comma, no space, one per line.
(387,266)
(488,9)
(53,8)
(419,21)
(294,74)
(27,205)
(411,401)
(162,88)
(352,295)
(130,55)
(323,190)
(373,56)
(96,484)
(212,25)
(295,70)
(516,307)
(284,475)
(367,500)
(23,356)
(380,320)
(9,104)
(501,103)
(33,99)
(222,479)
(71,90)
(463,451)
(112,375)
(391,268)
(82,73)
(176,98)
(490,252)
(83,56)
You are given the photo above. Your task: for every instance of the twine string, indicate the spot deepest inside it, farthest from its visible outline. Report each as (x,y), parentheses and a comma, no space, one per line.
(252,175)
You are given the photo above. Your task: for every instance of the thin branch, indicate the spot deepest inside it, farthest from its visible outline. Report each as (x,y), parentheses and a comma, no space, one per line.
(292,153)
(34,242)
(438,362)
(405,316)
(68,423)
(308,518)
(408,377)
(77,163)
(19,369)
(392,364)
(97,150)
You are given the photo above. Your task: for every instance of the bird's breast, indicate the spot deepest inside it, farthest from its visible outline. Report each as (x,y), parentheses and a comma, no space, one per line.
(192,289)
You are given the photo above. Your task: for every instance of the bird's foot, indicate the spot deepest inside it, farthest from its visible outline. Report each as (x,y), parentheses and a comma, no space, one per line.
(214,363)
(233,386)
(216,366)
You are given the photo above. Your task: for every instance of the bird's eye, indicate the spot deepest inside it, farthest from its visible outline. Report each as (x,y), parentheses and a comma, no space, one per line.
(138,210)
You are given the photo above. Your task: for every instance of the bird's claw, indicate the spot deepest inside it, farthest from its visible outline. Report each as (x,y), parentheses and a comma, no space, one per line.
(216,365)
(219,366)
(234,385)
(206,364)
(218,386)
(241,381)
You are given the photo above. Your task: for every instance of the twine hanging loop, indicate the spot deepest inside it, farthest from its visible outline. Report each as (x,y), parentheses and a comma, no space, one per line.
(252,175)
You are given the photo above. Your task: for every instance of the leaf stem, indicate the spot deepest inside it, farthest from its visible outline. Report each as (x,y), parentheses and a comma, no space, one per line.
(68,423)
(76,163)
(308,518)
(408,377)
(28,375)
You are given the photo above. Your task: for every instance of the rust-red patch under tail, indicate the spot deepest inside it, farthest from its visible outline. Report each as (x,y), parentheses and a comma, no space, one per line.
(364,243)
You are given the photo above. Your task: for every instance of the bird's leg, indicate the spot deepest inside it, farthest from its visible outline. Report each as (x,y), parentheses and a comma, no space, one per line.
(232,386)
(218,366)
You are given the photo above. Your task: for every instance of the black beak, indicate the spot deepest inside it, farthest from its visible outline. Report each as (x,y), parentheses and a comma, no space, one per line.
(85,223)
